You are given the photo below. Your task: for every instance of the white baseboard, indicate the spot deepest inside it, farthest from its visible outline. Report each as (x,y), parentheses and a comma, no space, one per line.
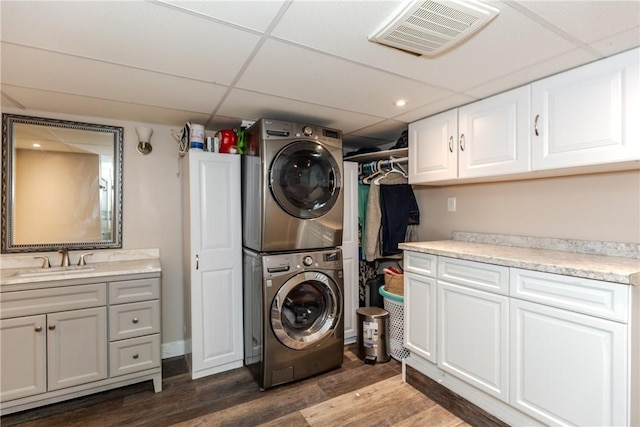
(173,349)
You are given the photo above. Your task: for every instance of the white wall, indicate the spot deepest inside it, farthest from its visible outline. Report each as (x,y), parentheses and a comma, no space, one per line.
(152,211)
(602,207)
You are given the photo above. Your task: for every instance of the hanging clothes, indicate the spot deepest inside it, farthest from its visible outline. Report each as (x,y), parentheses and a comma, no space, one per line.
(399,209)
(373,224)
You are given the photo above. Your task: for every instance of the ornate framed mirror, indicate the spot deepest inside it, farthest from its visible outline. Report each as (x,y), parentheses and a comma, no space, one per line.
(61,185)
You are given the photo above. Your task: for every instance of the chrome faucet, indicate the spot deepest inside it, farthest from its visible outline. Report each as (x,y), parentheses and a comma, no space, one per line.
(65,257)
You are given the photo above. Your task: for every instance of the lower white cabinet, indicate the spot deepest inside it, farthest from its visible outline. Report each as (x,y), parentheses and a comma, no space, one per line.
(529,347)
(23,343)
(76,347)
(420,315)
(57,339)
(473,337)
(568,368)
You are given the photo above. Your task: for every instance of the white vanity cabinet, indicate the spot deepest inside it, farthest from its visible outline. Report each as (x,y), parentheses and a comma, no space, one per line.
(588,115)
(71,324)
(484,138)
(212,262)
(64,339)
(23,344)
(349,248)
(569,349)
(134,326)
(473,324)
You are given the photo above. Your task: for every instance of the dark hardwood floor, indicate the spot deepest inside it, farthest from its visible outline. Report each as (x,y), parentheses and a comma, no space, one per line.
(355,394)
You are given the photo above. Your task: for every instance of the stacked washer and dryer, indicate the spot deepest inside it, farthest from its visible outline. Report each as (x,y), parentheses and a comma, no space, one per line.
(292,227)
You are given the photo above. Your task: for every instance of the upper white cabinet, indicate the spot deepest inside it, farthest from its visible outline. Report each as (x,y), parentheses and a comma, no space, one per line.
(213,262)
(486,138)
(582,120)
(433,150)
(588,115)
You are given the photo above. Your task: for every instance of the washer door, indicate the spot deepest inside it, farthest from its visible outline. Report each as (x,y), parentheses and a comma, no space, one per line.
(306,310)
(305,179)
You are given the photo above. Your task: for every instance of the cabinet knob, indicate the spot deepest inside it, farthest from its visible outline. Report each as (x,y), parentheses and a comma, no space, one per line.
(451,144)
(52,327)
(135,320)
(38,328)
(135,356)
(462,142)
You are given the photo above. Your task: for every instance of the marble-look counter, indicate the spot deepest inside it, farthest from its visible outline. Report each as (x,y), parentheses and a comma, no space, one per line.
(615,269)
(25,268)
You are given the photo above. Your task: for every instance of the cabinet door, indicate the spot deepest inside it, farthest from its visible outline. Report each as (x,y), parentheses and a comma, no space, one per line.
(588,115)
(494,135)
(433,152)
(215,264)
(23,367)
(568,368)
(350,249)
(76,347)
(472,344)
(420,316)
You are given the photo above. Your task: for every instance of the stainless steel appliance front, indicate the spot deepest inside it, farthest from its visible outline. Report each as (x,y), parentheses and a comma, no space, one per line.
(292,187)
(294,322)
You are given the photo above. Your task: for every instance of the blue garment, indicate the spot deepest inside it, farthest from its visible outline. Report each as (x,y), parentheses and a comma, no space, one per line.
(399,209)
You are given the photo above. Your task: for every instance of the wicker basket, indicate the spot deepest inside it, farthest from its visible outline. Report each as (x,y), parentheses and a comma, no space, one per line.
(394,304)
(394,283)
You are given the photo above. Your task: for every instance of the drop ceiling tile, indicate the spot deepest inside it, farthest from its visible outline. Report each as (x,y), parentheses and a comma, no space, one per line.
(619,43)
(46,101)
(510,42)
(284,70)
(587,21)
(435,108)
(23,66)
(253,106)
(134,33)
(532,73)
(256,15)
(387,131)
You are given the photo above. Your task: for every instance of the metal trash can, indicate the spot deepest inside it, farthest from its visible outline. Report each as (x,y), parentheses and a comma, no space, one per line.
(373,334)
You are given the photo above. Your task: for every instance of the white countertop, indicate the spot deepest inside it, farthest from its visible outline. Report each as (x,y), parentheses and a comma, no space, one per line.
(607,268)
(20,269)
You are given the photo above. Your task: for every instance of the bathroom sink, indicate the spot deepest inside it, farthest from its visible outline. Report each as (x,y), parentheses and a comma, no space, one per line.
(55,270)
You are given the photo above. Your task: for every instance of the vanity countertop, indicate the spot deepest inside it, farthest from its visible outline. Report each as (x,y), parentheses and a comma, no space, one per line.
(615,269)
(20,270)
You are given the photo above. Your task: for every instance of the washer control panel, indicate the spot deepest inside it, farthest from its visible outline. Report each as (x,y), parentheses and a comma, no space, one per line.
(287,263)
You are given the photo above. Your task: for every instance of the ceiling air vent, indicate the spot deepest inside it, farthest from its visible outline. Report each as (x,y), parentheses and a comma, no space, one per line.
(430,27)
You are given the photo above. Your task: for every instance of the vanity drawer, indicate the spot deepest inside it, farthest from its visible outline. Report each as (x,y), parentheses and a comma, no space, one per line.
(419,263)
(133,355)
(134,290)
(478,275)
(594,297)
(134,320)
(51,300)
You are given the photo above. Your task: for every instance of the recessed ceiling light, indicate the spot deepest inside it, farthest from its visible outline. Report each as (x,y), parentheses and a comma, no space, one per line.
(401,103)
(36,145)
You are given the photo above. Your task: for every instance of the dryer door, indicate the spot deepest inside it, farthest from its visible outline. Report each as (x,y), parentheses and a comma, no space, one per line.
(306,310)
(305,179)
